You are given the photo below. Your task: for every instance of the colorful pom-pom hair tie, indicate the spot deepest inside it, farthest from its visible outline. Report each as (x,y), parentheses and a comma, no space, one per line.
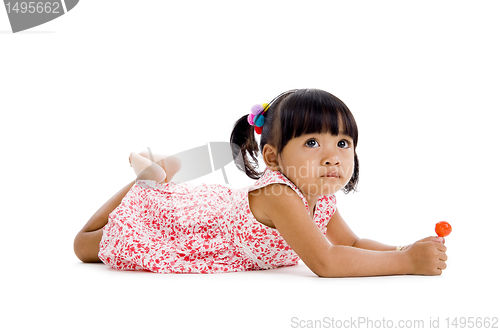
(256,117)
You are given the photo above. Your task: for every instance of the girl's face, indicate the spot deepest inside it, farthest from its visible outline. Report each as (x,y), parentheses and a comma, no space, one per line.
(318,164)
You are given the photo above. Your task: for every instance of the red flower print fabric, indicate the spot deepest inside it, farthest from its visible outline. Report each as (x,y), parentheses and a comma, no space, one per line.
(184,228)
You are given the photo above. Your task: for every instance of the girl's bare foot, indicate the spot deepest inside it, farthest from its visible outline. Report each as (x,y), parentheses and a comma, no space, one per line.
(170,164)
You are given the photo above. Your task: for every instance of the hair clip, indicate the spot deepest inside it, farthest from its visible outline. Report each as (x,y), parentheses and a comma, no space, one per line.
(256,117)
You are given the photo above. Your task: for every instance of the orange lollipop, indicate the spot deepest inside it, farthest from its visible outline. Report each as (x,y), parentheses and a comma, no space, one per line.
(443,229)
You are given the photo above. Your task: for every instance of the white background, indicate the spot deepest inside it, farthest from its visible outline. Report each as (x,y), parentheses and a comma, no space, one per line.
(79,93)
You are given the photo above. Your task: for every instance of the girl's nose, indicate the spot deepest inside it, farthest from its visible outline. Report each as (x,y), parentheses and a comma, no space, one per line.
(330,156)
(331,160)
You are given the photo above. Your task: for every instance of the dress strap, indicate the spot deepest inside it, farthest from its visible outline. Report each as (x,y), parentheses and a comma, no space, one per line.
(270,177)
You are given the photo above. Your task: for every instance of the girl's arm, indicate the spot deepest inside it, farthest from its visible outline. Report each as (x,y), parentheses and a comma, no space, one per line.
(340,234)
(286,210)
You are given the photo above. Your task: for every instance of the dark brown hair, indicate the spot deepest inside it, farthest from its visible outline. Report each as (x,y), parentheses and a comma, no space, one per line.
(292,114)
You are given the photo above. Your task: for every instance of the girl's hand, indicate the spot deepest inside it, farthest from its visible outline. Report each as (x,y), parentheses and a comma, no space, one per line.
(427,256)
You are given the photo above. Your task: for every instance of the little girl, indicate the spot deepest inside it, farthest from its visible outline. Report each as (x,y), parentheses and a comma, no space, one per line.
(308,142)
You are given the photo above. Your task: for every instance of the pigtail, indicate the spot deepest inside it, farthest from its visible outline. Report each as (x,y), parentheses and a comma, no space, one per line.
(243,143)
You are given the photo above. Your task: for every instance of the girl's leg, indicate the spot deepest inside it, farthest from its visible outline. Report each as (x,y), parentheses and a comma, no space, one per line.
(87,241)
(145,169)
(170,164)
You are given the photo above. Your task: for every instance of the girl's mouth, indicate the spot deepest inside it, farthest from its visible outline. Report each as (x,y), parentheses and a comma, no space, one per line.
(333,174)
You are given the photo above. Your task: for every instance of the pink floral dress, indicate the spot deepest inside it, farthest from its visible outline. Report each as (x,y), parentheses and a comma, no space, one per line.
(184,228)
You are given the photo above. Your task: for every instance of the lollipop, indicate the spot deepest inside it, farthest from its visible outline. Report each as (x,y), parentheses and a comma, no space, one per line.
(443,229)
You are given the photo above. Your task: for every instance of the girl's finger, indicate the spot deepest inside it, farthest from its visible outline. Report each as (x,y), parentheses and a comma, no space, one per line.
(441,247)
(433,239)
(441,265)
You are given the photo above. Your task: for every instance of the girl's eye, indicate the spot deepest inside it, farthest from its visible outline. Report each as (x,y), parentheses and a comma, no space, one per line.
(312,143)
(343,144)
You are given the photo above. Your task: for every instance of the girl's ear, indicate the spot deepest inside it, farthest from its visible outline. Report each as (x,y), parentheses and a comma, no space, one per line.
(270,156)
